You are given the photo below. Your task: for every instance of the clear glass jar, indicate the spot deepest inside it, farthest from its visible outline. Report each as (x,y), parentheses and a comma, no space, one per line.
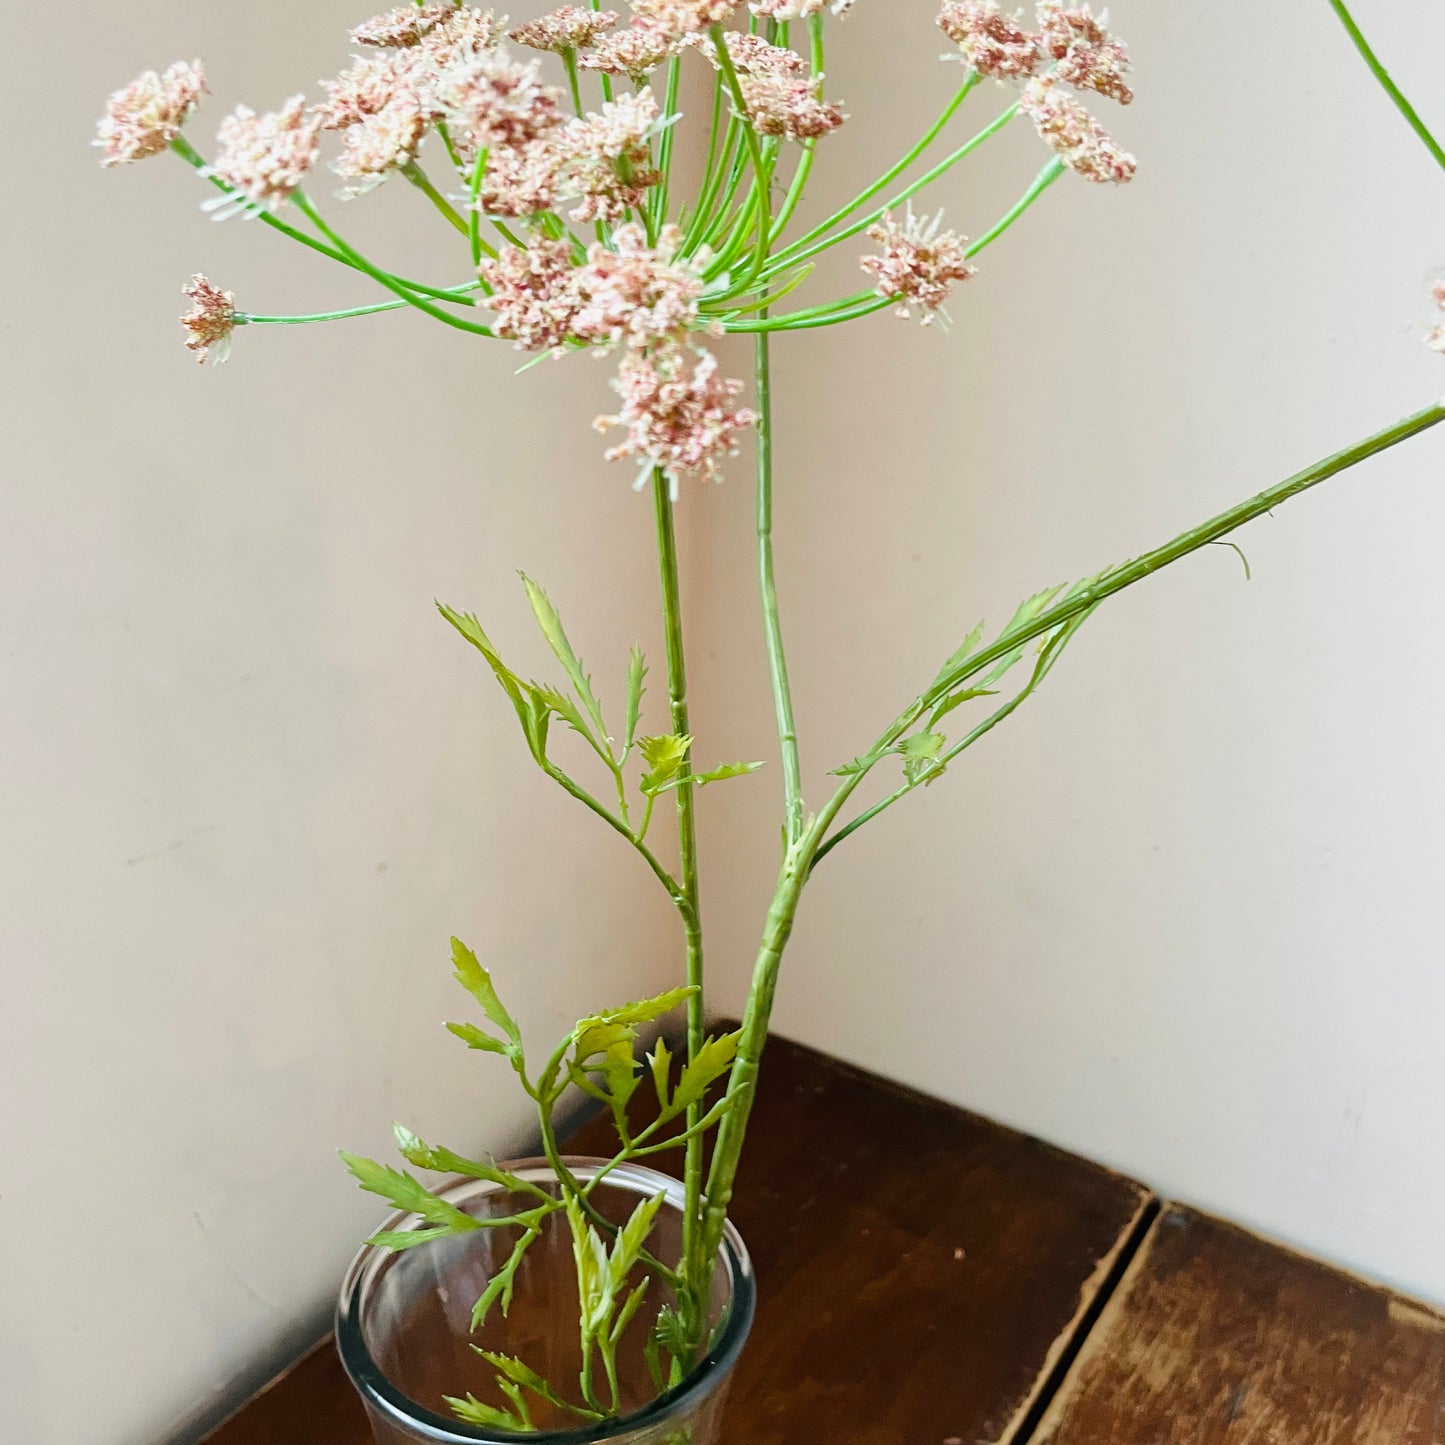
(403,1322)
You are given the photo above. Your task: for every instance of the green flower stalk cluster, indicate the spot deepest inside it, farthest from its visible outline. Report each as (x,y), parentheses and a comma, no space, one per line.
(571,234)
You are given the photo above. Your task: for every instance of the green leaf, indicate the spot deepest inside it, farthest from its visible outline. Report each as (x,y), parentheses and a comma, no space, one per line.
(964,652)
(474,1412)
(514,1393)
(566,709)
(644,1011)
(957,700)
(920,754)
(855,769)
(665,756)
(549,620)
(467,624)
(629,1310)
(717,775)
(636,676)
(442,1161)
(660,1060)
(400,1239)
(593,1037)
(502,1284)
(594,1279)
(631,1241)
(478,982)
(670,1332)
(478,1038)
(1029,609)
(407,1193)
(713,1060)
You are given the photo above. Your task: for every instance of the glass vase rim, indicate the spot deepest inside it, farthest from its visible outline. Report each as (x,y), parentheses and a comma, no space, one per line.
(710,1373)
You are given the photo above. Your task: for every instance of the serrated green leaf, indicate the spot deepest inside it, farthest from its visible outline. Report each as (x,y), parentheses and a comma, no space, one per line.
(513,1392)
(713,1060)
(550,621)
(660,1061)
(400,1239)
(629,1310)
(478,982)
(566,709)
(957,700)
(593,1037)
(665,756)
(470,628)
(636,676)
(526,1378)
(719,774)
(407,1193)
(631,1241)
(502,1284)
(478,1038)
(670,1332)
(443,1161)
(594,1281)
(920,753)
(1028,610)
(643,1011)
(964,652)
(474,1412)
(855,769)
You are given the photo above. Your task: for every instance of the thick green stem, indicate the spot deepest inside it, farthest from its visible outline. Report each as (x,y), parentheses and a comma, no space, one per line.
(695,1261)
(767,584)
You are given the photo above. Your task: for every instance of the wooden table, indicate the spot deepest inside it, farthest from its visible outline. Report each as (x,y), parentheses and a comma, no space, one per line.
(1217,1337)
(924,1274)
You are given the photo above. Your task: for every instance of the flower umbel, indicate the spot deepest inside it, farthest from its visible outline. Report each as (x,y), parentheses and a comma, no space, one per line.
(264,157)
(989,41)
(632,52)
(679,414)
(210,321)
(570,27)
(1079,140)
(686,17)
(919,262)
(405,25)
(635,293)
(533,294)
(144,117)
(605,159)
(1088,56)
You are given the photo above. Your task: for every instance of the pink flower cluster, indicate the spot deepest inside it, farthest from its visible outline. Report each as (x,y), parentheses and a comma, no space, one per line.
(782,96)
(677,412)
(210,321)
(144,117)
(1069,47)
(919,263)
(797,9)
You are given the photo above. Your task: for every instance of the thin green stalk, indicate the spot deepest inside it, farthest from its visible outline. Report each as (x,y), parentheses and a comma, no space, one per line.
(802,321)
(479,246)
(762,171)
(377,274)
(419,178)
(662,196)
(1387,83)
(810,146)
(768,590)
(1045,178)
(894,171)
(695,1264)
(793,254)
(705,188)
(247,318)
(574,84)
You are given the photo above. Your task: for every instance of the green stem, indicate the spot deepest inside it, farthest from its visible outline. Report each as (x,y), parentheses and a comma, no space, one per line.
(1387,83)
(419,178)
(767,585)
(762,171)
(246,318)
(1045,178)
(695,1268)
(662,196)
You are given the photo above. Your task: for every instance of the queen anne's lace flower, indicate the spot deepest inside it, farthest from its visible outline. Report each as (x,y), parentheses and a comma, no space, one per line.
(1088,56)
(990,42)
(266,157)
(570,27)
(144,117)
(405,25)
(753,55)
(499,102)
(919,262)
(382,142)
(604,158)
(781,105)
(520,181)
(532,294)
(210,321)
(686,17)
(678,413)
(1080,141)
(632,52)
(637,294)
(797,9)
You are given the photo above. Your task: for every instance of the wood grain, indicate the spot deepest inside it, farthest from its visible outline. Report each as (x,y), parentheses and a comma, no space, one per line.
(922,1272)
(1218,1337)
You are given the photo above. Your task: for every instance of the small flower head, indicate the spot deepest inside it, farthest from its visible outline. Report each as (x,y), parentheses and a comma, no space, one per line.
(366,89)
(520,181)
(990,42)
(265,157)
(796,9)
(144,117)
(1436,339)
(403,26)
(752,55)
(1088,56)
(210,321)
(632,52)
(635,294)
(605,160)
(499,102)
(570,27)
(1079,140)
(686,17)
(382,142)
(781,105)
(678,413)
(532,294)
(919,262)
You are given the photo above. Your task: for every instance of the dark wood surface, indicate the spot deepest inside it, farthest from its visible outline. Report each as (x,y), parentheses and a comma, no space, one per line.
(923,1273)
(1217,1337)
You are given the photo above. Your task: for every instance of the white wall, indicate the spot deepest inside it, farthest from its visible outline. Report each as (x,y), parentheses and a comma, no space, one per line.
(1184,913)
(250,782)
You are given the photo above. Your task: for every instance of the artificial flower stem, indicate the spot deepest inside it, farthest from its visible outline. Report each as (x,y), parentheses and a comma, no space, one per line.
(762,171)
(695,1262)
(768,590)
(1387,83)
(419,178)
(810,146)
(1045,178)
(245,318)
(662,196)
(385,278)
